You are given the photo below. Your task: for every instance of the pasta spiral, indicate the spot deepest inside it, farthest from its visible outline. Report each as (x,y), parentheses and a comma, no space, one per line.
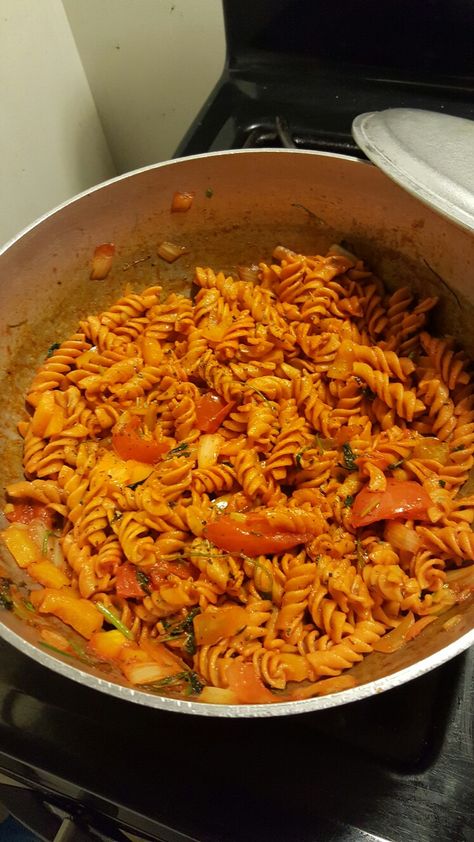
(195,472)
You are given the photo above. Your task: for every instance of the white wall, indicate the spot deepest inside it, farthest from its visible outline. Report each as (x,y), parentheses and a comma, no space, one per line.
(51,140)
(150,64)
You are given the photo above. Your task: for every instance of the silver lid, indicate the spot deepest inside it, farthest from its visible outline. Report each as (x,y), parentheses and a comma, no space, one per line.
(429,154)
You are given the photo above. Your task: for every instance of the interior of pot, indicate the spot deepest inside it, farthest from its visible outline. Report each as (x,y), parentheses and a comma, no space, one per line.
(245,204)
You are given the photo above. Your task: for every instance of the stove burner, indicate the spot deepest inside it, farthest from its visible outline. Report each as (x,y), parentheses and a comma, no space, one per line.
(278,133)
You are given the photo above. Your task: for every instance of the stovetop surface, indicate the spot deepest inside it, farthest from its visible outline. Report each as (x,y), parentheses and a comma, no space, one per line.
(398,766)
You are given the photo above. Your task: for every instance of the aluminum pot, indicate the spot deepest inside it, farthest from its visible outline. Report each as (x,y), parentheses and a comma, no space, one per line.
(246,203)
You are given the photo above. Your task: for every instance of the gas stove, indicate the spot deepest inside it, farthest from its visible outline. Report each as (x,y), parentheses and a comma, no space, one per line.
(394,768)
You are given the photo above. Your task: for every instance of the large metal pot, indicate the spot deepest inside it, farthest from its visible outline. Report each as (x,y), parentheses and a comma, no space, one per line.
(259,199)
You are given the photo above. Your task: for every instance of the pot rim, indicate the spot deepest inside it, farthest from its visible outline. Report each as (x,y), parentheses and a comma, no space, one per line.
(172,162)
(256,711)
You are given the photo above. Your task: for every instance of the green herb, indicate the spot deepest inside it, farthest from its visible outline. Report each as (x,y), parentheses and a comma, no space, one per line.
(6,600)
(349,457)
(44,545)
(261,395)
(135,485)
(195,684)
(58,651)
(143,580)
(459,447)
(394,465)
(114,620)
(298,458)
(183,626)
(411,355)
(348,501)
(29,606)
(209,193)
(52,348)
(368,393)
(186,628)
(191,678)
(180,450)
(442,483)
(309,212)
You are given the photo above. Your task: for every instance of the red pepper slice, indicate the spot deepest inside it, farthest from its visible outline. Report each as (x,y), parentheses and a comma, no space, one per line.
(162,568)
(405,500)
(211,410)
(28,512)
(251,537)
(129,444)
(127,584)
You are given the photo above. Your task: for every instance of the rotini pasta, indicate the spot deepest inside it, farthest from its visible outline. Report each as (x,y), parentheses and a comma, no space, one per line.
(239,495)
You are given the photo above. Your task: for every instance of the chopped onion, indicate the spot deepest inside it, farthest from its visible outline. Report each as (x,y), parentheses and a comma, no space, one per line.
(248,273)
(432,448)
(336,248)
(139,672)
(218,696)
(170,251)
(419,626)
(452,622)
(102,261)
(395,639)
(282,253)
(402,537)
(181,202)
(208,451)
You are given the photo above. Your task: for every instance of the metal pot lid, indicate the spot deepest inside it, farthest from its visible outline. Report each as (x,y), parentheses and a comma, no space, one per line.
(428,154)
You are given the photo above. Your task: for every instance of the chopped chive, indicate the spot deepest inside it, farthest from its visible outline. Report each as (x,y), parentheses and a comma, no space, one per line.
(114,620)
(395,465)
(58,651)
(348,501)
(179,450)
(52,348)
(135,485)
(349,457)
(209,193)
(143,580)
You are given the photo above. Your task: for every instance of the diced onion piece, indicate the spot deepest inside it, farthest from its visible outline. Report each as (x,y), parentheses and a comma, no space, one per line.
(248,273)
(181,202)
(209,627)
(170,251)
(218,696)
(336,248)
(324,687)
(143,673)
(452,622)
(102,261)
(418,627)
(402,537)
(395,639)
(282,253)
(432,448)
(53,638)
(208,450)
